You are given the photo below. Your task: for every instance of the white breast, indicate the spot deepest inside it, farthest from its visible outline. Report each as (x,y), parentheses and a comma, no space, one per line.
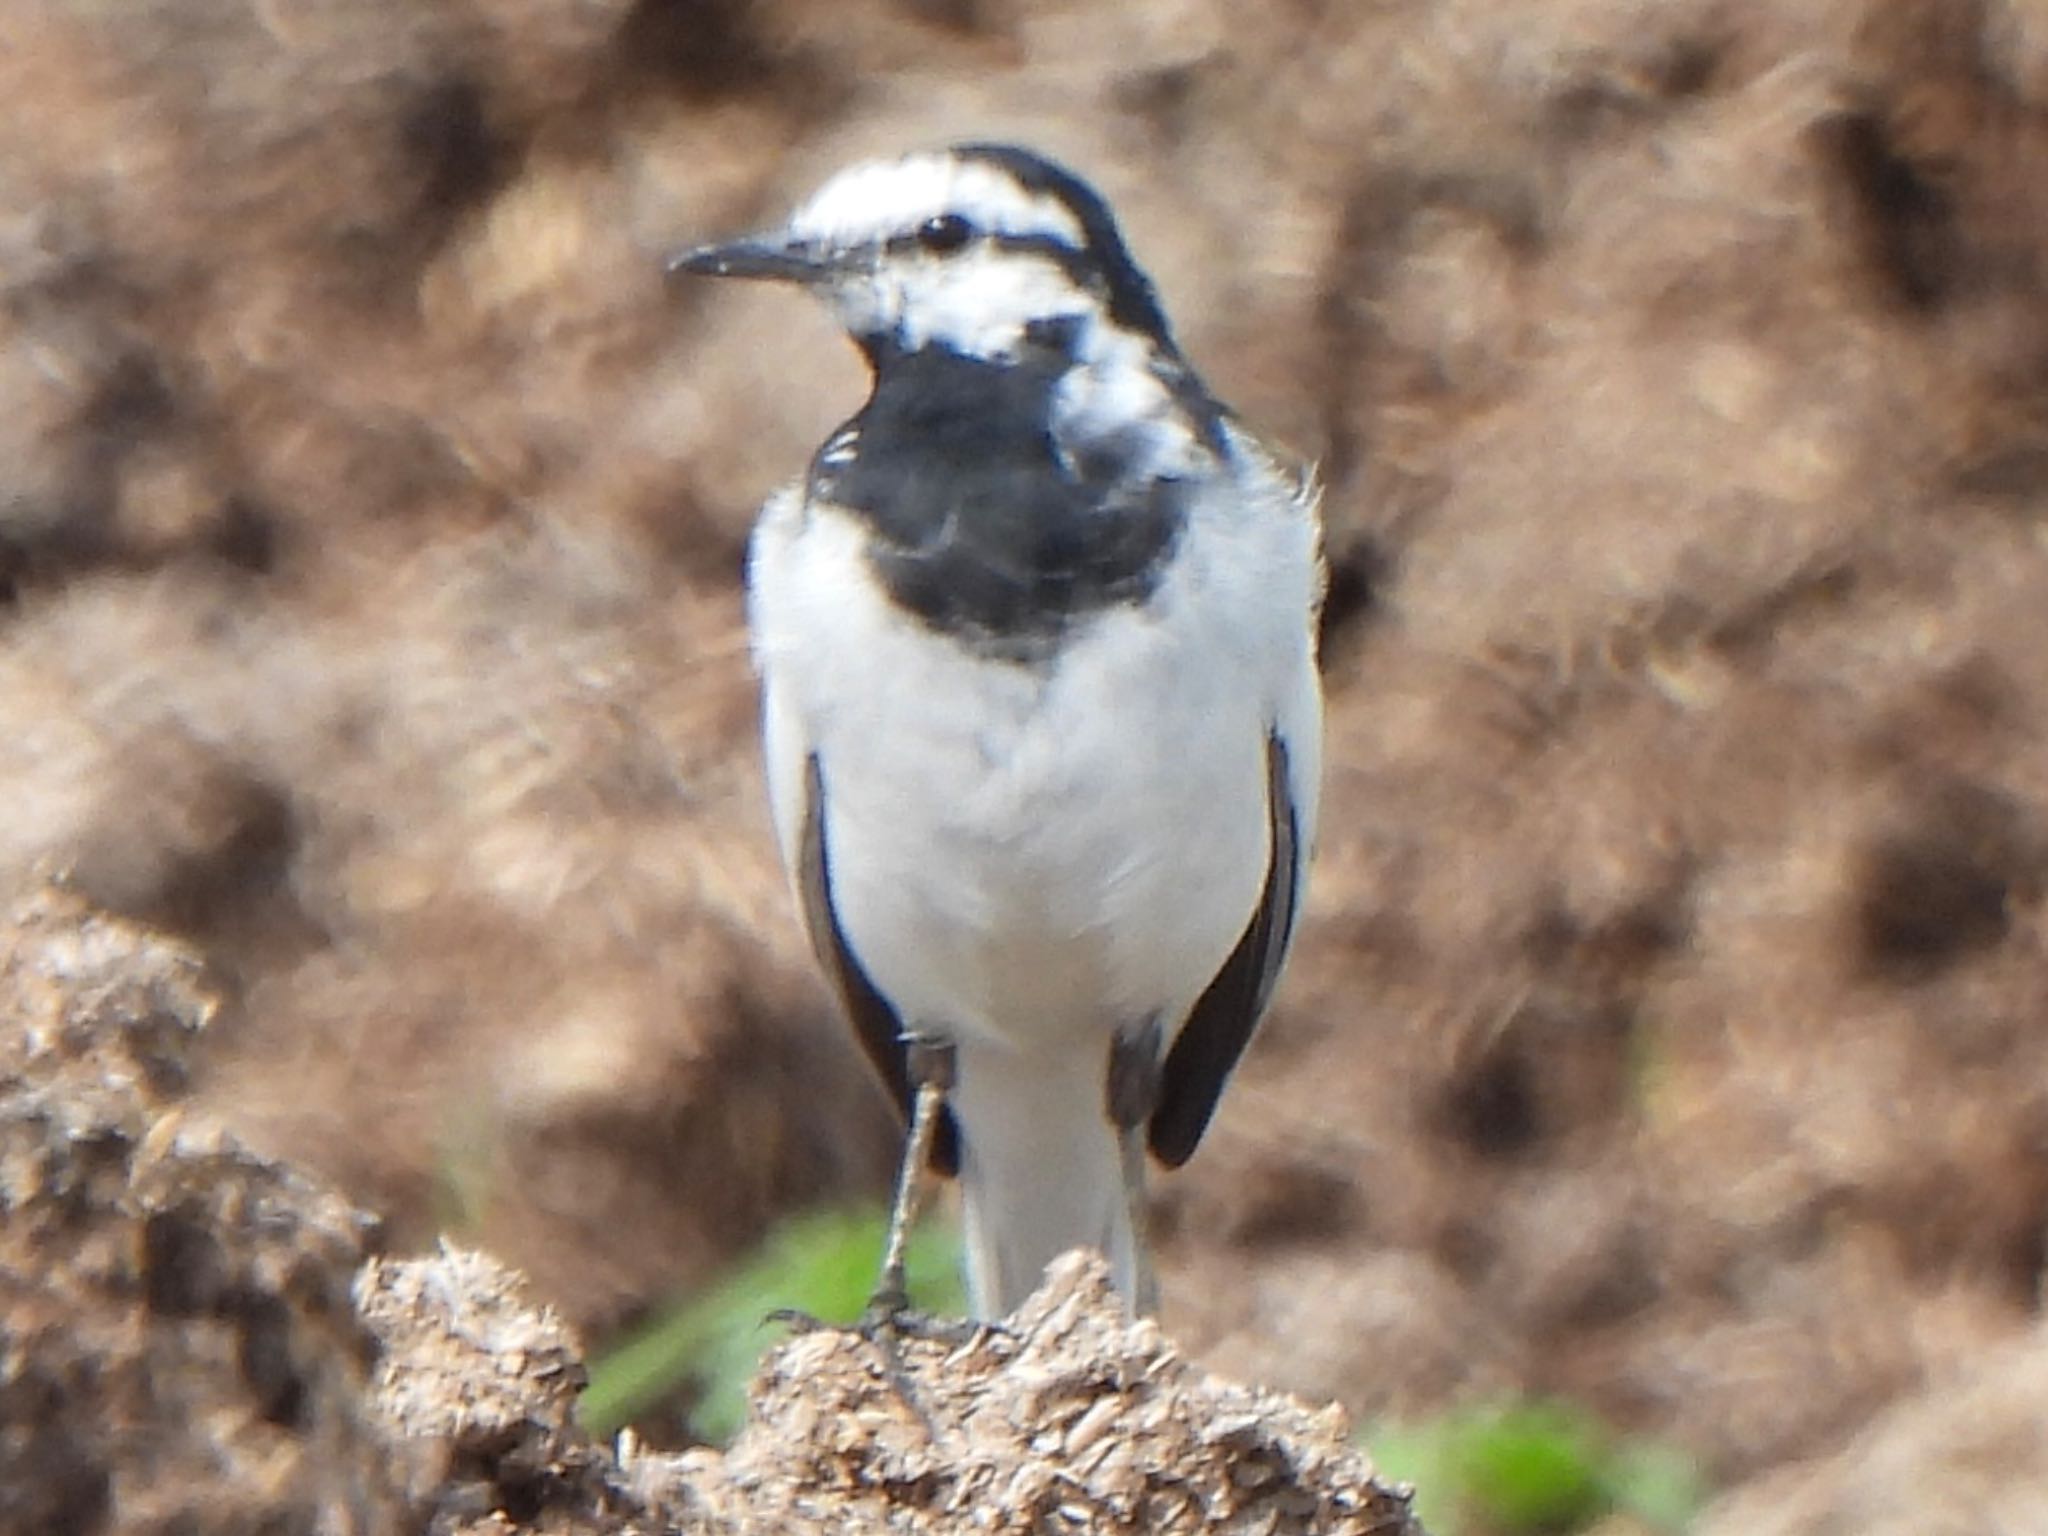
(1024,854)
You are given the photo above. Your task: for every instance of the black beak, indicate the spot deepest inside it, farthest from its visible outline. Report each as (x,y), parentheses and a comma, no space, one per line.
(773,258)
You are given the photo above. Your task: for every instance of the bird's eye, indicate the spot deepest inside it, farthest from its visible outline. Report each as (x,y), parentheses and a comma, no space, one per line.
(943,234)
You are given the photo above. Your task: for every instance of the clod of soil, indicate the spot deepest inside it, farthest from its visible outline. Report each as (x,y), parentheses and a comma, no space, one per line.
(177,1345)
(1068,1419)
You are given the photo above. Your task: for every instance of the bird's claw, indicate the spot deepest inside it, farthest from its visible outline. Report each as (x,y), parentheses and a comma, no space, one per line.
(796,1320)
(887,1317)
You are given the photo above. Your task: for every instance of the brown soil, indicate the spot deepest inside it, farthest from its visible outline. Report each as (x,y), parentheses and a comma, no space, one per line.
(1667,1026)
(195,1338)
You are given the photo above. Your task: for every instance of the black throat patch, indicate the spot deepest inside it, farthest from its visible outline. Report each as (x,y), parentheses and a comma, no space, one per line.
(981,528)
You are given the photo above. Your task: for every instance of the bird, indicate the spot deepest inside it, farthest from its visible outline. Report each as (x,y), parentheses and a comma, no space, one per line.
(1035,634)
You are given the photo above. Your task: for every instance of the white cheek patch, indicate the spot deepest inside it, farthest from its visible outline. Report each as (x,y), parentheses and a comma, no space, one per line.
(980,304)
(867,204)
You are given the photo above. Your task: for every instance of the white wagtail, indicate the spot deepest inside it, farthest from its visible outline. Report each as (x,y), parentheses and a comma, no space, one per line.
(1042,722)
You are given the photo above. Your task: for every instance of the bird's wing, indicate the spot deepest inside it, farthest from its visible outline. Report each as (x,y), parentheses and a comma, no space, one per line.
(874,1019)
(1222,1022)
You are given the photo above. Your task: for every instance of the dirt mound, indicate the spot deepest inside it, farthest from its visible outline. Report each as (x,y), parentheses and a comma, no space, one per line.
(178,1341)
(193,1337)
(1070,1417)
(1963,1456)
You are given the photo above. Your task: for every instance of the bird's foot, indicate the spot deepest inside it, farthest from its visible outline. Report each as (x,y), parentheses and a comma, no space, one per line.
(890,1316)
(887,1318)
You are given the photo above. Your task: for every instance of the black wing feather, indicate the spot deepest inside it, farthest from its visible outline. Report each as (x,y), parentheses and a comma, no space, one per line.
(874,1018)
(1221,1024)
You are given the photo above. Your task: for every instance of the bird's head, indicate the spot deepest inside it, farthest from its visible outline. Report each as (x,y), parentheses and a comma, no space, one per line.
(984,249)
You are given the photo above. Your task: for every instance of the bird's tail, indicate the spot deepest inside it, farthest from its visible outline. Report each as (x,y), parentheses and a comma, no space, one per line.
(1039,1173)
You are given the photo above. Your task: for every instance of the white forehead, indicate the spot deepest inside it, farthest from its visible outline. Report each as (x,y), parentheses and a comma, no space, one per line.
(871,202)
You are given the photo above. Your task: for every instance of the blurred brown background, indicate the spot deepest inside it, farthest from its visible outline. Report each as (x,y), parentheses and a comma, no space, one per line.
(1670,1027)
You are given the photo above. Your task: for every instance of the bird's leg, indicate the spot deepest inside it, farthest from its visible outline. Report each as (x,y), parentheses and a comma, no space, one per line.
(1133,1093)
(931,1067)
